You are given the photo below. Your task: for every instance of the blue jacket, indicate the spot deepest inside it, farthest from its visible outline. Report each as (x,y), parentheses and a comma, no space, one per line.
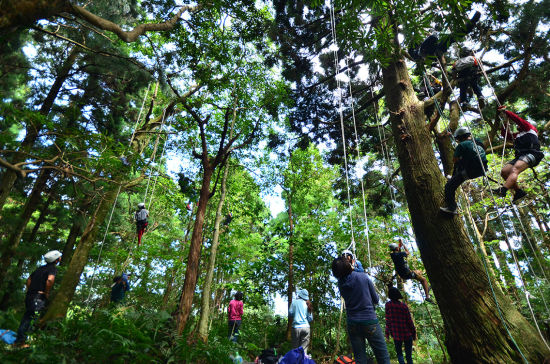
(360,296)
(298,310)
(359,267)
(296,356)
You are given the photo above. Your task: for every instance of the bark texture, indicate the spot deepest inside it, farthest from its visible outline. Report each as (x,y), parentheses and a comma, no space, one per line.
(475,332)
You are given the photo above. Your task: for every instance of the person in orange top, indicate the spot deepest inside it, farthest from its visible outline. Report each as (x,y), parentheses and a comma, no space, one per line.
(235,311)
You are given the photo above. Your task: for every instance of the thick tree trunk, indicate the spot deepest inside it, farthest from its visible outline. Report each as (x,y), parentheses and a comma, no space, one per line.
(475,331)
(44,211)
(34,127)
(18,13)
(207,289)
(60,304)
(10,245)
(191,273)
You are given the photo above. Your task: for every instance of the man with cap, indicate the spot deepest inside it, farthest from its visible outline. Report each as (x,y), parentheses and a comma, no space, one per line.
(399,325)
(355,263)
(301,312)
(141,216)
(39,284)
(470,162)
(402,268)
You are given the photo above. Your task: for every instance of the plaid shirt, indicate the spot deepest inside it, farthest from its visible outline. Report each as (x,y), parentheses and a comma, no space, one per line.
(398,321)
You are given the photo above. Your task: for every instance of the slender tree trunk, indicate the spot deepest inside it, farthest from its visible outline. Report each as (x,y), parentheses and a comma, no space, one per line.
(191,273)
(60,303)
(74,233)
(11,285)
(475,331)
(44,211)
(205,299)
(34,127)
(543,227)
(290,266)
(10,245)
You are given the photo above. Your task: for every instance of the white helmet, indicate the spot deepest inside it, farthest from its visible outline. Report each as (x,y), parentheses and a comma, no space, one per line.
(141,205)
(348,252)
(393,246)
(52,256)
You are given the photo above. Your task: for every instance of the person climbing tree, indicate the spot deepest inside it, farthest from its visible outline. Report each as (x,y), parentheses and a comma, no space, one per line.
(355,263)
(470,161)
(436,44)
(235,313)
(527,154)
(301,312)
(228,219)
(402,268)
(466,70)
(39,284)
(361,298)
(141,216)
(399,325)
(119,288)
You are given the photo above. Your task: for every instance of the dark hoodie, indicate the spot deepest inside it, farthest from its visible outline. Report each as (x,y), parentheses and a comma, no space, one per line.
(360,296)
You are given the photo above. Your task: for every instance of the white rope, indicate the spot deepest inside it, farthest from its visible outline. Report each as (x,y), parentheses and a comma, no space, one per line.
(102,243)
(358,159)
(337,71)
(139,114)
(495,206)
(154,155)
(158,171)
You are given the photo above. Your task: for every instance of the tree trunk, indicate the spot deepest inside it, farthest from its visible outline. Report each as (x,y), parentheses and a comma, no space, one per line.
(290,266)
(25,12)
(10,245)
(474,328)
(76,230)
(529,241)
(205,299)
(34,127)
(60,303)
(44,211)
(191,273)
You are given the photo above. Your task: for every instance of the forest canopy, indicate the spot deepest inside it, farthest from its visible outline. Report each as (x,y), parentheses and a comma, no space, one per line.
(179,155)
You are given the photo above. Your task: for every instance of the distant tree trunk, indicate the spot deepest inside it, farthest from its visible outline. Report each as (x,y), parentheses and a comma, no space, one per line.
(74,233)
(290,265)
(34,127)
(174,270)
(44,211)
(12,285)
(529,242)
(10,245)
(475,333)
(191,273)
(207,288)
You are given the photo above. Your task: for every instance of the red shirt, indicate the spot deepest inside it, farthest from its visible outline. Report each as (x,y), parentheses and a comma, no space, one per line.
(398,321)
(235,310)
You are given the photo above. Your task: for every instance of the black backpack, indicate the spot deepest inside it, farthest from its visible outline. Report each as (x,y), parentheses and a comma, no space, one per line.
(269,356)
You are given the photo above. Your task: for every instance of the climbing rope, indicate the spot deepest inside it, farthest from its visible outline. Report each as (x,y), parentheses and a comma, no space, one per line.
(495,206)
(341,115)
(359,157)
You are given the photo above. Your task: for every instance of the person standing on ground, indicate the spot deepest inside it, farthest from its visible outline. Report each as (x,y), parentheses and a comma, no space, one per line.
(119,288)
(360,298)
(39,284)
(399,325)
(235,311)
(301,312)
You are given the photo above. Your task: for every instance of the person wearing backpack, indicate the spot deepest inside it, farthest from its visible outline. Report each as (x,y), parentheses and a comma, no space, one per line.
(466,70)
(140,217)
(361,299)
(399,325)
(470,162)
(235,312)
(527,154)
(301,312)
(39,284)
